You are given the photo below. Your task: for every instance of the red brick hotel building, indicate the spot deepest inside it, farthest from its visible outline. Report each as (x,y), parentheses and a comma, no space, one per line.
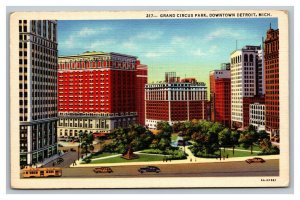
(175,100)
(97,92)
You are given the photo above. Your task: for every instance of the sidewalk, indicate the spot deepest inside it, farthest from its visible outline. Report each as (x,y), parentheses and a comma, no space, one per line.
(190,159)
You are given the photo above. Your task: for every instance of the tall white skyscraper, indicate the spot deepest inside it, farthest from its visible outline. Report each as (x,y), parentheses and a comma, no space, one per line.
(37,90)
(243,69)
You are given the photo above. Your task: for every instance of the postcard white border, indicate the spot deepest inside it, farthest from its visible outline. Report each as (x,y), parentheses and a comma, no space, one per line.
(161,182)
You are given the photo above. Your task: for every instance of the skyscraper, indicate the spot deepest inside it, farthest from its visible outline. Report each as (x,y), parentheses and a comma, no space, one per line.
(220,96)
(175,100)
(244,64)
(141,81)
(271,47)
(96,92)
(37,90)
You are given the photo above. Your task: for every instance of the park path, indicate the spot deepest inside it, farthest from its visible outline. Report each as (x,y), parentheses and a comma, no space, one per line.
(105,157)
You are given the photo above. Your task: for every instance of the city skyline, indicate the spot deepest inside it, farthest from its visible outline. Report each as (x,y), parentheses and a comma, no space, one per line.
(166,45)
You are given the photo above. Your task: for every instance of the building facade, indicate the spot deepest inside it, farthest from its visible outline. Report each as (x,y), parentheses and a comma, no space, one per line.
(141,81)
(247,102)
(220,96)
(271,56)
(243,81)
(37,90)
(260,73)
(96,92)
(175,100)
(258,116)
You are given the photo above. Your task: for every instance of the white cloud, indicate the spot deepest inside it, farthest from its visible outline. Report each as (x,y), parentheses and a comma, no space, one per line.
(152,55)
(101,44)
(213,49)
(198,52)
(86,31)
(179,40)
(77,38)
(224,33)
(148,35)
(129,45)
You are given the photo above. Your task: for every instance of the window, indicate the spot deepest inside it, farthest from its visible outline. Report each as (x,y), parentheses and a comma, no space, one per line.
(251,58)
(245,58)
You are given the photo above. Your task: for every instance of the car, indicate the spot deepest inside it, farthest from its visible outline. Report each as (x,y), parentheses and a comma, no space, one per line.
(149,169)
(103,170)
(59,160)
(255,160)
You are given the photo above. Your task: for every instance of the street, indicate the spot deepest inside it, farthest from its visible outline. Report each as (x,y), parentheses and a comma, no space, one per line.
(222,169)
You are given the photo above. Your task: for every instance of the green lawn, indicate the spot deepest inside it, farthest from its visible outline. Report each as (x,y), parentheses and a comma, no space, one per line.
(236,153)
(103,155)
(142,158)
(174,136)
(255,148)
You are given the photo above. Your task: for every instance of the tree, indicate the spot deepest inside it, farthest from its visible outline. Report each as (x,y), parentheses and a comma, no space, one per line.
(86,140)
(204,125)
(267,147)
(212,142)
(235,135)
(225,138)
(162,140)
(199,139)
(135,136)
(248,138)
(216,127)
(178,126)
(262,135)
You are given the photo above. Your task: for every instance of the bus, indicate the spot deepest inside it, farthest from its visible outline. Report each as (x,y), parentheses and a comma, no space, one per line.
(29,172)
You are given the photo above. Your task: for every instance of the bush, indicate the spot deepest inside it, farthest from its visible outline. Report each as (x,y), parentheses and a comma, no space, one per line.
(272,151)
(153,151)
(87,159)
(201,155)
(174,153)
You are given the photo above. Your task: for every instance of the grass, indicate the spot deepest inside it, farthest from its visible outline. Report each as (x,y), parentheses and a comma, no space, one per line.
(105,154)
(142,158)
(237,153)
(255,148)
(174,136)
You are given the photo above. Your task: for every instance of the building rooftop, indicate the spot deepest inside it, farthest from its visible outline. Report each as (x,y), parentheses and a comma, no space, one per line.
(96,53)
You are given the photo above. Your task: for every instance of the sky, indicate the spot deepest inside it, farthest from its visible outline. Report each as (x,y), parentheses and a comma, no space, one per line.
(189,47)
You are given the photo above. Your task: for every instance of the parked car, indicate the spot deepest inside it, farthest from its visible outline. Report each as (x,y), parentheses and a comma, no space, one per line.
(149,169)
(255,160)
(103,170)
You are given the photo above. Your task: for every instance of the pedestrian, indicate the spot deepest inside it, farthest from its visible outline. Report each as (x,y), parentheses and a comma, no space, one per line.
(191,160)
(53,164)
(227,155)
